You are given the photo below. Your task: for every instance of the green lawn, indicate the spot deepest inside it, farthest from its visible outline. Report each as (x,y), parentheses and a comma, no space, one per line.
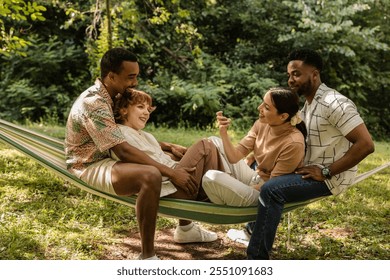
(43,217)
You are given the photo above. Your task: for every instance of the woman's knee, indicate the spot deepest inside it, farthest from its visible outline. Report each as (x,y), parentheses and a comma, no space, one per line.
(206,145)
(210,145)
(216,141)
(211,176)
(202,145)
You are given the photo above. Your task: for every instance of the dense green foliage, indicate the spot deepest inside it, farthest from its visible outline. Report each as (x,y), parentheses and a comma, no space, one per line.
(196,57)
(15,16)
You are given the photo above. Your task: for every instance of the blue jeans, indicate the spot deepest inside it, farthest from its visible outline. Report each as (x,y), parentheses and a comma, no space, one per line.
(273,195)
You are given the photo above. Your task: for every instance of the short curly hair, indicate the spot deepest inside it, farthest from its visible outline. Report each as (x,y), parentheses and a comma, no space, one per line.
(130,97)
(308,56)
(112,60)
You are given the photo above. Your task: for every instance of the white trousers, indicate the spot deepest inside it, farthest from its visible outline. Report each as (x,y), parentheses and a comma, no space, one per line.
(231,187)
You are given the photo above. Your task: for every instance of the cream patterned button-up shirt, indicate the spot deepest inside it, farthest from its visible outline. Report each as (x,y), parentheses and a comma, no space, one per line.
(329,118)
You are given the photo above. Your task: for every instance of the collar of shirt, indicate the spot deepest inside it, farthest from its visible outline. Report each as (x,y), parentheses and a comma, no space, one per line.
(278,130)
(102,91)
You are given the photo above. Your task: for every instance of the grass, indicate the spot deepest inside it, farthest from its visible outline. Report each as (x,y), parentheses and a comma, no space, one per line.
(42,217)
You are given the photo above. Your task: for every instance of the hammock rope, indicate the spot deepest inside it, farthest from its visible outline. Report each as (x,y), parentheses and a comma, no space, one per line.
(49,152)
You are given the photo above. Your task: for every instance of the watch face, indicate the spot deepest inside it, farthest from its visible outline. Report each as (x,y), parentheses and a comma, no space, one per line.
(326,172)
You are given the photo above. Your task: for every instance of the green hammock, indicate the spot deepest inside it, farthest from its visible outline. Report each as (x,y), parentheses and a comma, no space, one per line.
(49,152)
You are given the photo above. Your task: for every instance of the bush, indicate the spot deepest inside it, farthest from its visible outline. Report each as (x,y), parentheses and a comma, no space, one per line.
(44,83)
(235,89)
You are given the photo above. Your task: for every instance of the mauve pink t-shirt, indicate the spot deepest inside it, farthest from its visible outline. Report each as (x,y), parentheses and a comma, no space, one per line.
(278,150)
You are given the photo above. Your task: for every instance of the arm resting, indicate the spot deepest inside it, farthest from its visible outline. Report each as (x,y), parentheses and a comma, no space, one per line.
(362,146)
(127,153)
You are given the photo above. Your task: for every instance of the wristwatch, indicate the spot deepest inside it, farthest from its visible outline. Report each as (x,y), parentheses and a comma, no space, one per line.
(326,172)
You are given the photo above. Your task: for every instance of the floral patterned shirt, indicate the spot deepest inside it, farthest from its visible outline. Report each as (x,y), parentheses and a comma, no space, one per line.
(91,129)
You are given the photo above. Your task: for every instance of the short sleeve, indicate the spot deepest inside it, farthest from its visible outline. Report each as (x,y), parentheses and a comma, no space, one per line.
(342,113)
(247,144)
(101,127)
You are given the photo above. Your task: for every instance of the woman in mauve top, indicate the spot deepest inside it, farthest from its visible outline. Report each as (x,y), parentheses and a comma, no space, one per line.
(277,140)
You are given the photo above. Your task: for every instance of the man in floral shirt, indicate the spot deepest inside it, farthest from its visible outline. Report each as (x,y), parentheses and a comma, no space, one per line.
(91,132)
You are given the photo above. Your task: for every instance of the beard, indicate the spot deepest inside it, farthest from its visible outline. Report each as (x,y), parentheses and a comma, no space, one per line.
(305,89)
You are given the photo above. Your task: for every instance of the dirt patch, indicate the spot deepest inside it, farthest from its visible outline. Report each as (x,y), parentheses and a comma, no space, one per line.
(221,249)
(338,233)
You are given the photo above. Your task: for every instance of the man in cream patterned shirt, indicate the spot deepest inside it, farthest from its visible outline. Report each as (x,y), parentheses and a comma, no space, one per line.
(337,141)
(328,118)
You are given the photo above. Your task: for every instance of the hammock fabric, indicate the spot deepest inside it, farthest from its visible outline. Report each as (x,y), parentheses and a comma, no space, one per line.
(49,152)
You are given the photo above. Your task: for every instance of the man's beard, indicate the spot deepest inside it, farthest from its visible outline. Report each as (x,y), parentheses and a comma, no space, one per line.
(305,89)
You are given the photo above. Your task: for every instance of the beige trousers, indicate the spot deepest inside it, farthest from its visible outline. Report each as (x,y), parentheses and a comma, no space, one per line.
(204,156)
(231,187)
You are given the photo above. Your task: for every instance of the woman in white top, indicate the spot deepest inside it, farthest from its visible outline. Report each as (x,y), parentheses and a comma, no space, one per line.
(132,110)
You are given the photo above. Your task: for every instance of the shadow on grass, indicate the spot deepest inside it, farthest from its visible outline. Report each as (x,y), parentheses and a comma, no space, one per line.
(167,249)
(19,246)
(34,202)
(353,226)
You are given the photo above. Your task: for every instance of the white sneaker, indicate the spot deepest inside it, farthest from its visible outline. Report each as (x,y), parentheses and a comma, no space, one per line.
(195,234)
(240,236)
(147,259)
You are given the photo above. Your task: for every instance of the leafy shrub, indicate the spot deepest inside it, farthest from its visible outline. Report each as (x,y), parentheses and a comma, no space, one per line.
(44,83)
(237,90)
